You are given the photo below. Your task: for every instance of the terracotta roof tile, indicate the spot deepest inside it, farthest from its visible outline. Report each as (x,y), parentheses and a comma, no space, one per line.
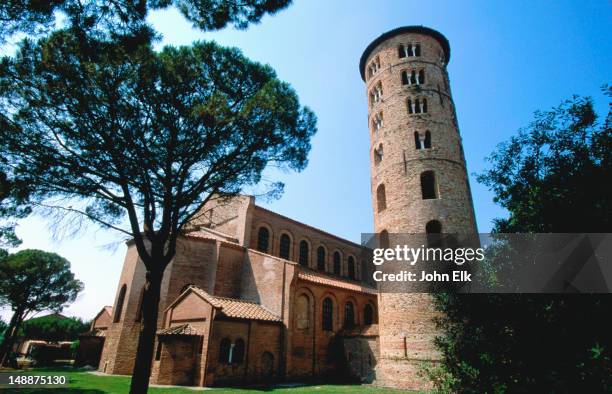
(239,309)
(183,329)
(341,284)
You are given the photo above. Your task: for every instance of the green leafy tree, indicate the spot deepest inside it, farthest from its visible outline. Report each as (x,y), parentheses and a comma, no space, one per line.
(32,281)
(53,328)
(140,141)
(123,22)
(126,20)
(552,177)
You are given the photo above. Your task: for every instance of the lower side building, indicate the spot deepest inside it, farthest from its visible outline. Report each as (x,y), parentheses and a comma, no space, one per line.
(250,297)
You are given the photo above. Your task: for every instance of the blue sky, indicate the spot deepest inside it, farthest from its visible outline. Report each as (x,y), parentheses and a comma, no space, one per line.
(508,60)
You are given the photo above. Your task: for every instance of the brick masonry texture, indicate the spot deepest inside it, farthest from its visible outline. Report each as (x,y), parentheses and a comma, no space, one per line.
(219,256)
(406,320)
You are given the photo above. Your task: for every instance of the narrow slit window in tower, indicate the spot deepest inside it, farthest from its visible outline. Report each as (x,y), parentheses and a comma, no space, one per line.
(410,106)
(417,140)
(417,49)
(378,154)
(381,198)
(428,185)
(427,140)
(413,78)
(424,106)
(405,80)
(421,77)
(401,51)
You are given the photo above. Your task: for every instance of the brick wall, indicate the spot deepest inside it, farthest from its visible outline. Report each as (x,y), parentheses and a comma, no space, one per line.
(406,320)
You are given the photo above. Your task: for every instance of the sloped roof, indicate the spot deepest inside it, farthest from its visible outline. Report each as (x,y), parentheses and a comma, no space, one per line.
(183,329)
(235,308)
(341,284)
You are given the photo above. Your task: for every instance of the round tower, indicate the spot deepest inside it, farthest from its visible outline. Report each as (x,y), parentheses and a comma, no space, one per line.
(419,179)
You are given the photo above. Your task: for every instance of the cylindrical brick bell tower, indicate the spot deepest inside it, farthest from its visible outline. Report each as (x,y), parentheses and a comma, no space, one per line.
(419,180)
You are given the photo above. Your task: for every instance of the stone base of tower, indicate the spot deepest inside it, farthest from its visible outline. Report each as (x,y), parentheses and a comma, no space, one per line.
(406,334)
(403,374)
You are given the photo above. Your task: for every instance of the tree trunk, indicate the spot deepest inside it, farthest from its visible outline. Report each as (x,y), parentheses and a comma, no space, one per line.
(9,336)
(146,339)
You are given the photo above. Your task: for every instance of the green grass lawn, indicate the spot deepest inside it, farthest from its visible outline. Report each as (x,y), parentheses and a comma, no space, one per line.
(87,383)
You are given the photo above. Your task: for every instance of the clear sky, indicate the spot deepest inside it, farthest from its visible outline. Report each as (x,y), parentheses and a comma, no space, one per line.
(508,60)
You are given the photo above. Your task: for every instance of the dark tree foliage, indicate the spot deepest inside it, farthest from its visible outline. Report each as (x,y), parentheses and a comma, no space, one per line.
(553,176)
(120,21)
(139,141)
(126,19)
(13,197)
(32,281)
(53,328)
(27,16)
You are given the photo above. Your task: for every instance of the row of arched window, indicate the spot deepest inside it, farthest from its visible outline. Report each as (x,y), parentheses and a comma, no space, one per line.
(263,245)
(429,190)
(413,77)
(417,105)
(303,314)
(376,94)
(412,49)
(374,67)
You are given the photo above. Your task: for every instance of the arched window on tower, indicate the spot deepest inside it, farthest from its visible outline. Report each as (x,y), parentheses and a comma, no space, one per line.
(405,79)
(285,246)
(413,78)
(428,185)
(383,239)
(417,140)
(417,49)
(421,78)
(337,263)
(351,267)
(381,198)
(377,122)
(321,258)
(433,229)
(368,315)
(263,239)
(303,259)
(378,154)
(349,314)
(401,51)
(120,302)
(410,105)
(424,106)
(327,314)
(427,140)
